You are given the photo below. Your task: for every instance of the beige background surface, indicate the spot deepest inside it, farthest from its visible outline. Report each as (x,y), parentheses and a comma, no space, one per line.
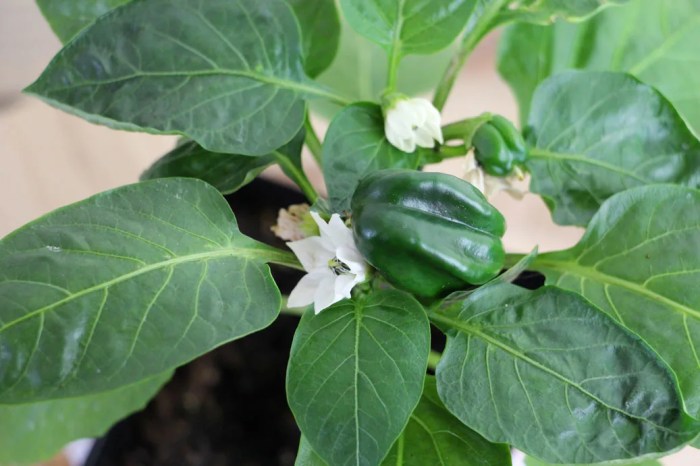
(49,159)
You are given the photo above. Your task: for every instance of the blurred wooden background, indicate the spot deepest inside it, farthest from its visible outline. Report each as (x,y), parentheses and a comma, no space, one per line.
(49,159)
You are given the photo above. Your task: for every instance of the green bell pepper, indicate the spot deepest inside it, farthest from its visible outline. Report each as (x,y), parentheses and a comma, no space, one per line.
(499,147)
(427,233)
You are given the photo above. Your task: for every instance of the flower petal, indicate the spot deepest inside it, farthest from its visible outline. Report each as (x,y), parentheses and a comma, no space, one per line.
(325,294)
(424,139)
(344,284)
(303,294)
(312,252)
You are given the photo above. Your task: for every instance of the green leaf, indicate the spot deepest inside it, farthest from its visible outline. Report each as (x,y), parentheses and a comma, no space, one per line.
(432,437)
(530,461)
(546,11)
(354,147)
(360,71)
(227,74)
(414,26)
(639,262)
(653,40)
(36,431)
(549,373)
(320,31)
(356,373)
(594,134)
(227,172)
(69,17)
(306,456)
(125,285)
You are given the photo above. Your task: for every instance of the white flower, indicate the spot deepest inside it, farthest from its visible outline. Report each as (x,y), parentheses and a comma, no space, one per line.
(490,185)
(333,263)
(411,122)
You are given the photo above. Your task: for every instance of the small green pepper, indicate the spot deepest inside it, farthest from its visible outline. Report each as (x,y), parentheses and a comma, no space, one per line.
(427,233)
(499,147)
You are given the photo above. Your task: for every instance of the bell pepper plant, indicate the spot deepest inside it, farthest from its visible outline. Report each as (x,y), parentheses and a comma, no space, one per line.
(102,299)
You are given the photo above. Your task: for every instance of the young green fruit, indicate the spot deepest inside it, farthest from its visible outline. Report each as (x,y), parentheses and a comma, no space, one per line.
(427,233)
(499,147)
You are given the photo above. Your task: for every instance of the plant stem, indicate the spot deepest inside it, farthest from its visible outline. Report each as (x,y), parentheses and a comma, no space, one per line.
(280,257)
(433,359)
(312,141)
(297,175)
(447,152)
(395,51)
(394,60)
(471,39)
(291,311)
(464,129)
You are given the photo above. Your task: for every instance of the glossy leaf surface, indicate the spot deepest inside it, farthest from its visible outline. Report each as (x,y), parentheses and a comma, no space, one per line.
(653,40)
(356,373)
(550,374)
(354,147)
(594,134)
(69,17)
(545,11)
(414,26)
(530,461)
(227,172)
(432,436)
(126,285)
(320,31)
(360,70)
(36,431)
(639,262)
(227,74)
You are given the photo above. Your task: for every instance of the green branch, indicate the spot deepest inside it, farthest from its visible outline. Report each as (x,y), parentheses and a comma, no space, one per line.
(482,27)
(312,141)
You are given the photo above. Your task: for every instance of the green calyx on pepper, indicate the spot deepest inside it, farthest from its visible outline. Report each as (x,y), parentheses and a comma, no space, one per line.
(427,233)
(499,147)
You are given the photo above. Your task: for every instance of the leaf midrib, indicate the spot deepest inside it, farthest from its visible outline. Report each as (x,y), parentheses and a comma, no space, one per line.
(461,326)
(283,83)
(595,275)
(246,254)
(582,158)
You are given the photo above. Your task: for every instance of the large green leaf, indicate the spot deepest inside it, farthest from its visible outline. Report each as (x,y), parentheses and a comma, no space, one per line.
(125,285)
(546,11)
(651,39)
(549,373)
(227,172)
(225,73)
(356,373)
(432,436)
(530,461)
(412,26)
(36,431)
(320,30)
(69,17)
(360,71)
(594,134)
(354,147)
(639,262)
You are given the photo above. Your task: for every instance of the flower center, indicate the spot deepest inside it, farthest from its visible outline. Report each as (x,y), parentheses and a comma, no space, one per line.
(338,267)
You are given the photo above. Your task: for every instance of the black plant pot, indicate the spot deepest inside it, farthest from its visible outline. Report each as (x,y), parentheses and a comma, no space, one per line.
(228,407)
